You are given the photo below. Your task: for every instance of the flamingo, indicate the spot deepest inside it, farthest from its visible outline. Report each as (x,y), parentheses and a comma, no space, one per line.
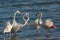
(49,24)
(9,25)
(17,26)
(38,22)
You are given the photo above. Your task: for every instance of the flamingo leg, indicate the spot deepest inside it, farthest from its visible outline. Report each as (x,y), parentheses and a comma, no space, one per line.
(10,34)
(7,35)
(38,27)
(48,33)
(37,31)
(14,33)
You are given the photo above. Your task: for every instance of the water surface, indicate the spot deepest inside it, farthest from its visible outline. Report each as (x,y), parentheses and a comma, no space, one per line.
(49,8)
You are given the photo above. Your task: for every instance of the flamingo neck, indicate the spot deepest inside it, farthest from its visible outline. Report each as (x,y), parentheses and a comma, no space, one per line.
(26,21)
(14,18)
(40,18)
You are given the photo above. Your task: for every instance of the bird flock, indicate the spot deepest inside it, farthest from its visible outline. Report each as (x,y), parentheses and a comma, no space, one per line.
(38,23)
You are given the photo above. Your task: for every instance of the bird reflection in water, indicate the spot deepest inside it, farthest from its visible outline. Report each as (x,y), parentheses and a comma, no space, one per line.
(12,38)
(38,37)
(48,34)
(46,37)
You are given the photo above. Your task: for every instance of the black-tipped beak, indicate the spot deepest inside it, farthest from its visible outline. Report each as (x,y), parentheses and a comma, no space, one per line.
(53,26)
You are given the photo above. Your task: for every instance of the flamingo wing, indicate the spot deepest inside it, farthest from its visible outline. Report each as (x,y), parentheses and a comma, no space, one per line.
(8,27)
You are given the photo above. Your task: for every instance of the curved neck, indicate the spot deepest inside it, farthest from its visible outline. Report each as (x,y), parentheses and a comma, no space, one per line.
(15,15)
(40,19)
(14,18)
(26,21)
(40,15)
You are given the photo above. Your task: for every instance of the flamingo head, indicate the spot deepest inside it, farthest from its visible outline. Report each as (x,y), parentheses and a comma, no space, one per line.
(18,12)
(37,13)
(27,13)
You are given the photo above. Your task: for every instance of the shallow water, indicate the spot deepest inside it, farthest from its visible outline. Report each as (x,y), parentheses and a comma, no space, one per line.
(49,8)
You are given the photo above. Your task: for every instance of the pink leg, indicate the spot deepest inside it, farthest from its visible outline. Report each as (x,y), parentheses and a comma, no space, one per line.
(14,33)
(38,32)
(48,33)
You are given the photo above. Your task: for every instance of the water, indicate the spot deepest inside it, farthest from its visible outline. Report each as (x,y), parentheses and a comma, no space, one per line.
(49,8)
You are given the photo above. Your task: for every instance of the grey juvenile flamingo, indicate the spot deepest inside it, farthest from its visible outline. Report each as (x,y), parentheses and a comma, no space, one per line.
(38,22)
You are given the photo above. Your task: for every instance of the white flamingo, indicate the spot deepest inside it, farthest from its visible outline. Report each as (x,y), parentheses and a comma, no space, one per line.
(17,26)
(49,24)
(38,22)
(9,25)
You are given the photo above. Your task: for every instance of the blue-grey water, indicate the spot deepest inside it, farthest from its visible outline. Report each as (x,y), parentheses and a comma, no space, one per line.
(49,8)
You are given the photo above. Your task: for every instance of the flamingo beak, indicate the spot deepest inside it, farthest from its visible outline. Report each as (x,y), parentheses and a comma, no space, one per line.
(53,26)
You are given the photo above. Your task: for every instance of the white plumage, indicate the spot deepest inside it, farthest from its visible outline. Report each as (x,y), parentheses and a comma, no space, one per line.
(9,25)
